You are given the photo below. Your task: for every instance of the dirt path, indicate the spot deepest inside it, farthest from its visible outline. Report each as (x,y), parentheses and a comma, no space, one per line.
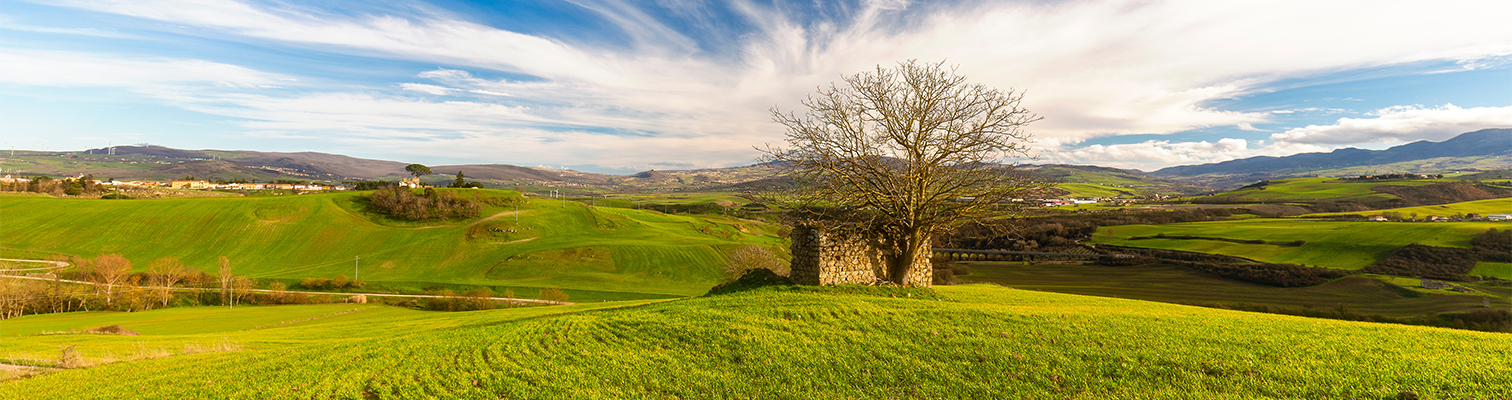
(421,296)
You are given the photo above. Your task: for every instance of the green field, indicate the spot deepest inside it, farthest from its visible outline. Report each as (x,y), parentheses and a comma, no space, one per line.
(977,342)
(1371,295)
(595,253)
(1313,189)
(1496,269)
(1344,245)
(1096,190)
(1482,207)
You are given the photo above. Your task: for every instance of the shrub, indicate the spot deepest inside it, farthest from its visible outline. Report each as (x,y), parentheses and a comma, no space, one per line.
(1427,262)
(943,277)
(554,294)
(402,203)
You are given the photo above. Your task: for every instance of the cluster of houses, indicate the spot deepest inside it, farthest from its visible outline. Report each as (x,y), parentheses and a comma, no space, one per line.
(1431,284)
(207,185)
(1440,218)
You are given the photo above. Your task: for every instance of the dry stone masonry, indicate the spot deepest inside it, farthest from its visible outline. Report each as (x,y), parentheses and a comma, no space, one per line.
(821,257)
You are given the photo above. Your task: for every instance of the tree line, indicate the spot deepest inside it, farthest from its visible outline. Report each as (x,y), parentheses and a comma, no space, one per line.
(83,186)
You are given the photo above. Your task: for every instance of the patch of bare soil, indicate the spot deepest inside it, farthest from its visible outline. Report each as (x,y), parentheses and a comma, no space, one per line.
(113,330)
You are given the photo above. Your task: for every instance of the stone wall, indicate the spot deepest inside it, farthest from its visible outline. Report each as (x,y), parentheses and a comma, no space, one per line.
(827,258)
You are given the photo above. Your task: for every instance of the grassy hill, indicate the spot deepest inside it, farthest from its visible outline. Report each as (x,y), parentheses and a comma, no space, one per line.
(1313,189)
(594,253)
(1482,207)
(976,342)
(1344,245)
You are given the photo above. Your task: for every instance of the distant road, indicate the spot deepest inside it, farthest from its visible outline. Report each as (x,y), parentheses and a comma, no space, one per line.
(56,264)
(423,296)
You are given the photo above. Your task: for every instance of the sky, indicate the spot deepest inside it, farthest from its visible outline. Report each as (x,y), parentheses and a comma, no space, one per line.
(624,86)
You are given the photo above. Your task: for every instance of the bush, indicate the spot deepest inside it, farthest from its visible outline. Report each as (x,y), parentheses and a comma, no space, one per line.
(752,279)
(402,203)
(1283,275)
(943,277)
(554,294)
(1427,262)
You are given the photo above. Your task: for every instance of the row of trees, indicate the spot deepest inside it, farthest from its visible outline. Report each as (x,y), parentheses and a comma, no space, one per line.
(118,288)
(83,186)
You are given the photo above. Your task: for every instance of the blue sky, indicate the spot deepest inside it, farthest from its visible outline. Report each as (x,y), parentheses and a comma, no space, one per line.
(621,86)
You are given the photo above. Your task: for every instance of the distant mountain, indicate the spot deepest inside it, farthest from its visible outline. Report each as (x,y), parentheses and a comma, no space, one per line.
(1475,147)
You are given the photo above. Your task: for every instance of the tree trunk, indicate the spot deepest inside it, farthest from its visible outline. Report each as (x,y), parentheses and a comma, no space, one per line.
(907,250)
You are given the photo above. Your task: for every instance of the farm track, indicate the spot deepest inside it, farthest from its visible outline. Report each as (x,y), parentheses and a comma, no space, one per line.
(423,296)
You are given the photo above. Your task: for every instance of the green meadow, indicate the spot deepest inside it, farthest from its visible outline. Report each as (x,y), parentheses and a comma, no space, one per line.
(594,253)
(1482,207)
(1343,245)
(974,341)
(1312,189)
(1365,294)
(1097,190)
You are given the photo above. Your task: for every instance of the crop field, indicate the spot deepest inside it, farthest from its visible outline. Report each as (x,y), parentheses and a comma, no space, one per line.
(594,253)
(1482,207)
(1096,190)
(1369,294)
(680,198)
(1343,245)
(1309,189)
(1496,269)
(976,341)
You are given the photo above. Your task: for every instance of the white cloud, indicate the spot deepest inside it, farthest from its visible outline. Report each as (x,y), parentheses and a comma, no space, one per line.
(72,69)
(1155,154)
(1091,68)
(1401,124)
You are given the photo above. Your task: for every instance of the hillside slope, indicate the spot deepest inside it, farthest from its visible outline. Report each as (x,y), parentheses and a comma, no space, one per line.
(1479,144)
(800,343)
(554,244)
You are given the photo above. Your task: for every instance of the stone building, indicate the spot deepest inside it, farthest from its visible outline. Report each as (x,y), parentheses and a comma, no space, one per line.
(822,257)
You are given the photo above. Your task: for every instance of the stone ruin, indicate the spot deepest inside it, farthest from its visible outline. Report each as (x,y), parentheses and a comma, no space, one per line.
(822,257)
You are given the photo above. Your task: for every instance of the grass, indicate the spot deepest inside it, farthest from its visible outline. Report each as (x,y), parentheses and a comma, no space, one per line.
(1496,269)
(646,254)
(1343,245)
(1099,190)
(1482,207)
(1373,295)
(1313,189)
(984,342)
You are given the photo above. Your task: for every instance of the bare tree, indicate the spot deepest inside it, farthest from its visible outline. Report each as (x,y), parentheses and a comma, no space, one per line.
(751,257)
(111,270)
(906,153)
(226,280)
(165,273)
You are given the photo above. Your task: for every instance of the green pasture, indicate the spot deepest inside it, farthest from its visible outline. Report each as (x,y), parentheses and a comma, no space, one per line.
(1496,269)
(1096,190)
(623,251)
(977,342)
(679,198)
(1370,294)
(1482,207)
(1313,189)
(1343,245)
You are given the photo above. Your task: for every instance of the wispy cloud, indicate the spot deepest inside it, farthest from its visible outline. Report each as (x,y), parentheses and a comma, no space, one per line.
(1401,124)
(1091,68)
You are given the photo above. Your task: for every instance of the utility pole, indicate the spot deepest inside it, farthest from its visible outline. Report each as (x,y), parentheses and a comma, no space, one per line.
(356,264)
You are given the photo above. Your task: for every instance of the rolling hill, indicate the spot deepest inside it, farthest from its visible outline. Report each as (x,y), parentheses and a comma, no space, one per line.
(974,341)
(1482,149)
(593,253)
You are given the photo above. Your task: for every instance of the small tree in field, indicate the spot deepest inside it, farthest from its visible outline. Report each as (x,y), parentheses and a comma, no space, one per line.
(752,257)
(417,170)
(111,270)
(164,274)
(905,153)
